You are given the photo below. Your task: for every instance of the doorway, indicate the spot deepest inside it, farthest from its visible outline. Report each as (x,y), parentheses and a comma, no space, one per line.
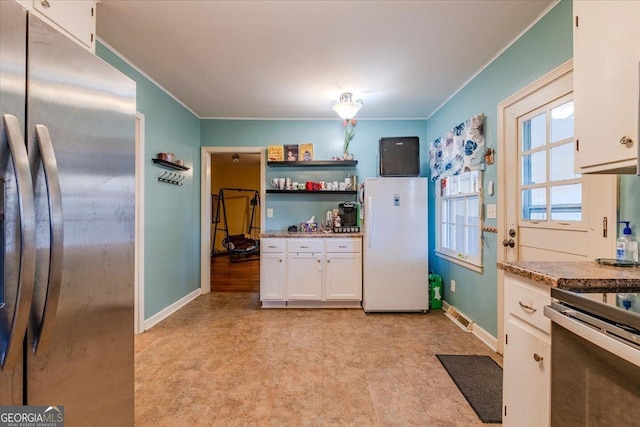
(548,212)
(240,171)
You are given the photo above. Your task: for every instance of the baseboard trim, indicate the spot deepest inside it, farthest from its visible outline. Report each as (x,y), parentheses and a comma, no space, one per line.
(484,336)
(169,310)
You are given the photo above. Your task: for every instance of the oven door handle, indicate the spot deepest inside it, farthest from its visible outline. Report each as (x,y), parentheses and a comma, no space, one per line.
(594,336)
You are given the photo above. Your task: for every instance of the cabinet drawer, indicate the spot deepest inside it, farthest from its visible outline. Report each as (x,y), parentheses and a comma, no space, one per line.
(272,245)
(304,245)
(343,245)
(526,301)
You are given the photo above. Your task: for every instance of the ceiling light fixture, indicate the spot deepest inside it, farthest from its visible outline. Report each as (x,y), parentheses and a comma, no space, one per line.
(235,157)
(347,107)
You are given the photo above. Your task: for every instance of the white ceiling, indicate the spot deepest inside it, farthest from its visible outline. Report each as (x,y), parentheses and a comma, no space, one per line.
(292,59)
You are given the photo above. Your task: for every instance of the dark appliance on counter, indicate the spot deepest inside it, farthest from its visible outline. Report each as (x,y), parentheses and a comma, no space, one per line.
(595,361)
(400,156)
(349,218)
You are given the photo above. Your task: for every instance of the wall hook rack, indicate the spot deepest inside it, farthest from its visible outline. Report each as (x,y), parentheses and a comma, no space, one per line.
(171,178)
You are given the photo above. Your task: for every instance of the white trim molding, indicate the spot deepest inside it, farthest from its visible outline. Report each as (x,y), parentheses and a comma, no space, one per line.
(139,226)
(168,311)
(484,336)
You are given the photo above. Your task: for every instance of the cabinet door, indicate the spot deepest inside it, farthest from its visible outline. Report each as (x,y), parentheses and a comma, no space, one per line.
(343,276)
(527,379)
(304,276)
(75,17)
(606,52)
(272,276)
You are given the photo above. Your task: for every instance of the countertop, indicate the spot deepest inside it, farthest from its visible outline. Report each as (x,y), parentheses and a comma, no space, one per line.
(307,235)
(579,276)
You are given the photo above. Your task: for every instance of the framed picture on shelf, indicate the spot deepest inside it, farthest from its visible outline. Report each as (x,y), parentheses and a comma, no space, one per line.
(291,152)
(275,153)
(305,152)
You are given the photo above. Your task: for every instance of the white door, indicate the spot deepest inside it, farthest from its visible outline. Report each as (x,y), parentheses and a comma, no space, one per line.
(343,279)
(272,279)
(304,276)
(548,213)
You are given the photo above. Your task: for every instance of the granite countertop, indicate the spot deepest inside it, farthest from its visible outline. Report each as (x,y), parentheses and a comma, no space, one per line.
(307,235)
(579,276)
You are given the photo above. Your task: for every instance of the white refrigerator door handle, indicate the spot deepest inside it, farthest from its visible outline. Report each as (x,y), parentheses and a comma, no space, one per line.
(369,221)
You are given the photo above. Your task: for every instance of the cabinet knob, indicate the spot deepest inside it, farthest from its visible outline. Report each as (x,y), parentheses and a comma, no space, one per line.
(537,357)
(625,140)
(45,4)
(328,261)
(280,260)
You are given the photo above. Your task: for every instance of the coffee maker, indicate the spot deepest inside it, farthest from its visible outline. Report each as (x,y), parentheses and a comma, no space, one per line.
(349,218)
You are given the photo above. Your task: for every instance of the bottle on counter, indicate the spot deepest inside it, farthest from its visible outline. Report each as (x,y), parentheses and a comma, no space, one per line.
(626,245)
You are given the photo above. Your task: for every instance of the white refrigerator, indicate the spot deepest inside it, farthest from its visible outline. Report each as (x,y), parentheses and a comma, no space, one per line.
(396,262)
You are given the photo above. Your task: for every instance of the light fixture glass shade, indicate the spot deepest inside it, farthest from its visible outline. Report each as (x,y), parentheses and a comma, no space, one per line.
(347,108)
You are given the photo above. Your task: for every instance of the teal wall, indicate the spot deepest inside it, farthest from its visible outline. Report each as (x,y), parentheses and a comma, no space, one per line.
(545,46)
(629,208)
(327,137)
(172,214)
(172,260)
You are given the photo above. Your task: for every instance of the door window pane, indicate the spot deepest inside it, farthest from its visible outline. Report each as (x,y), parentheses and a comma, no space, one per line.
(566,202)
(534,168)
(534,204)
(562,163)
(562,122)
(534,132)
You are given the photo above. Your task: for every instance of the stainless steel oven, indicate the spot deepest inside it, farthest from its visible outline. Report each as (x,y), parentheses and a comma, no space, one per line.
(595,361)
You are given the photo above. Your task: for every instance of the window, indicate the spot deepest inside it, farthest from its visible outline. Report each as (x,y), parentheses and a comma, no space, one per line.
(550,189)
(458,217)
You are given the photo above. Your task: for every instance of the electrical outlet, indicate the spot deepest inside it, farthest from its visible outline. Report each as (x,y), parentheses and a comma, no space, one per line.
(270,213)
(453,286)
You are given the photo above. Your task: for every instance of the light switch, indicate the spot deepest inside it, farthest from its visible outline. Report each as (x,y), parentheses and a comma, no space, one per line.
(491,211)
(270,213)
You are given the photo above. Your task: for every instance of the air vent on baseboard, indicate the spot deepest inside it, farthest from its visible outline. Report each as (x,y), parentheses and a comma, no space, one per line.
(459,319)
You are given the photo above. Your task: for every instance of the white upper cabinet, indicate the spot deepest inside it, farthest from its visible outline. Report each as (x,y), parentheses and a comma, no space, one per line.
(75,18)
(606,60)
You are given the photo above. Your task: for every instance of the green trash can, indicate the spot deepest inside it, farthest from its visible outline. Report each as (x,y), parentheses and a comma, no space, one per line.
(435,292)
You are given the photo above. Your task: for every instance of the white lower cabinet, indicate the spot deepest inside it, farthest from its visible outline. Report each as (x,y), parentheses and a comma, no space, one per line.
(304,276)
(317,272)
(343,272)
(527,373)
(273,269)
(527,354)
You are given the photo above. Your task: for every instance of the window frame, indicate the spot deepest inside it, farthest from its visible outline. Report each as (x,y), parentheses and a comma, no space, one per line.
(549,183)
(462,259)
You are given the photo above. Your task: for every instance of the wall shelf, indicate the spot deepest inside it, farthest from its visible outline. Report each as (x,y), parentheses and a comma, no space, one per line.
(169,165)
(315,163)
(311,192)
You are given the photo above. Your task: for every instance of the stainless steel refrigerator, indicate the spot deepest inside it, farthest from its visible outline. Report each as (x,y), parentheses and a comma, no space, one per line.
(67,182)
(396,262)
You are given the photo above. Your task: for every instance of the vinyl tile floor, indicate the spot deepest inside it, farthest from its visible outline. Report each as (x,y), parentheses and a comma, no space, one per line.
(224,361)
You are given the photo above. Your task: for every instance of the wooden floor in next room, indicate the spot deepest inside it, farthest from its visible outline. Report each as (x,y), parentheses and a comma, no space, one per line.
(240,276)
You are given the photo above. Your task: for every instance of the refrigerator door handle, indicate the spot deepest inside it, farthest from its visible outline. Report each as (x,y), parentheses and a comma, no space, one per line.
(370,221)
(11,346)
(56,230)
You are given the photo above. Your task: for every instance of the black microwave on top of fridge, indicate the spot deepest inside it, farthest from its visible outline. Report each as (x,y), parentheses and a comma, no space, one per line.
(399,156)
